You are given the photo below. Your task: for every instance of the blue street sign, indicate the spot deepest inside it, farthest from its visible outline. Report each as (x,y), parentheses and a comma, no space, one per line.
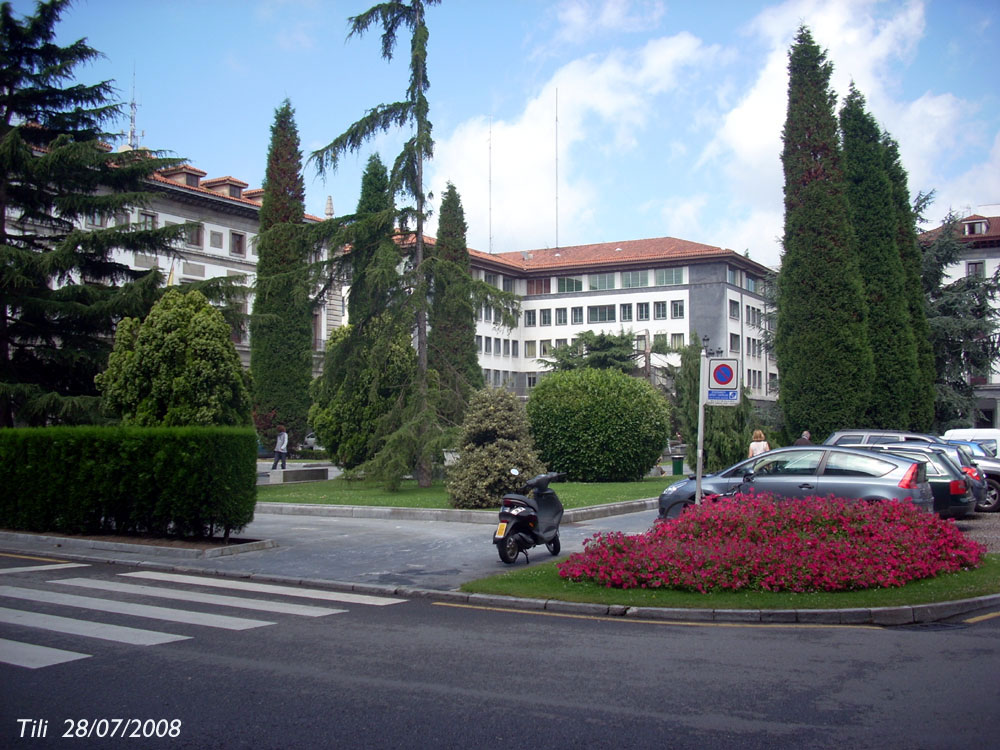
(722,396)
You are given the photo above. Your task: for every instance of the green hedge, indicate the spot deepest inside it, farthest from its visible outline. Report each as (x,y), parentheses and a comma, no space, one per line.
(188,481)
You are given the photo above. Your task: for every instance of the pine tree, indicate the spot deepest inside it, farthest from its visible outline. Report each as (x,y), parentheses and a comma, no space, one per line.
(602,351)
(893,393)
(62,288)
(922,411)
(281,329)
(451,341)
(821,341)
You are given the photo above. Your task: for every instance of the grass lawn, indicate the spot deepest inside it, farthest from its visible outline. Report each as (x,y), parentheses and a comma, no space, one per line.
(354,492)
(543,582)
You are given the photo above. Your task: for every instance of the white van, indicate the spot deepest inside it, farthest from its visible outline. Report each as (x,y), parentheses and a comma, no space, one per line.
(988,436)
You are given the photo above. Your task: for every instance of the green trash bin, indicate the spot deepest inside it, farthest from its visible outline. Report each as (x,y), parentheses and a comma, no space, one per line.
(678,464)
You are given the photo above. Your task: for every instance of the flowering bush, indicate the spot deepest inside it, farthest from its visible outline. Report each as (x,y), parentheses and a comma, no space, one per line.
(757,542)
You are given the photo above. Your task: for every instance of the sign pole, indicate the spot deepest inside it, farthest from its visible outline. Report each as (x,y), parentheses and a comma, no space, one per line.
(702,397)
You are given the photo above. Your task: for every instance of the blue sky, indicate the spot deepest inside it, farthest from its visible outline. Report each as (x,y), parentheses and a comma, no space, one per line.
(669,112)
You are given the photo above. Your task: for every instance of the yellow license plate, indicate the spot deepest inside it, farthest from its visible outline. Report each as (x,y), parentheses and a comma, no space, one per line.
(501,530)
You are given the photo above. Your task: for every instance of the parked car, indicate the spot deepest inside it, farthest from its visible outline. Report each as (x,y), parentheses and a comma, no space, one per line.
(977,449)
(862,436)
(951,486)
(989,437)
(804,471)
(311,442)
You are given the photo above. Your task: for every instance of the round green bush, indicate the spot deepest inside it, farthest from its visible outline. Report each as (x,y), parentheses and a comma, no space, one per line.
(495,439)
(598,425)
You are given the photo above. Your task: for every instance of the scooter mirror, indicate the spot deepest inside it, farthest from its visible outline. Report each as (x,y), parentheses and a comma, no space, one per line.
(515,472)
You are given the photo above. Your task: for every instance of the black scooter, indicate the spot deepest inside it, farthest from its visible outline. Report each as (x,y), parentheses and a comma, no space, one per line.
(529,521)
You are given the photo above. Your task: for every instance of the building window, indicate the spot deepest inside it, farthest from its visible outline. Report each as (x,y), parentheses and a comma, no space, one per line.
(732,276)
(237,244)
(96,220)
(545,317)
(561,316)
(529,317)
(625,311)
(147,220)
(634,279)
(659,339)
(734,309)
(490,278)
(975,268)
(560,342)
(193,235)
(669,276)
(215,239)
(487,313)
(601,314)
(489,345)
(506,347)
(496,346)
(544,347)
(513,349)
(659,310)
(640,343)
(568,284)
(529,349)
(508,284)
(601,281)
(531,379)
(677,308)
(751,284)
(642,311)
(539,286)
(577,313)
(479,343)
(734,342)
(676,340)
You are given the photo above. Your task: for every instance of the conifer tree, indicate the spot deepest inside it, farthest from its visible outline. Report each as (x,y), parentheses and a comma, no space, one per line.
(821,340)
(922,411)
(451,340)
(893,392)
(62,286)
(281,329)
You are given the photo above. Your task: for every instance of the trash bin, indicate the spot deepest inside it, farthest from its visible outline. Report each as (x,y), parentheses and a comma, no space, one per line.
(678,464)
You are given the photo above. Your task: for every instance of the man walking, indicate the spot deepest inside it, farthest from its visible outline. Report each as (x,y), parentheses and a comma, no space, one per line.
(280,448)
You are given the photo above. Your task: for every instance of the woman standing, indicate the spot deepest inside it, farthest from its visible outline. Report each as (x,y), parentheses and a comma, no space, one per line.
(759,444)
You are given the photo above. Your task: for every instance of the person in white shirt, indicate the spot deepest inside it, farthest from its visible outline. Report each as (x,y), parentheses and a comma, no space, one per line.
(759,444)
(280,448)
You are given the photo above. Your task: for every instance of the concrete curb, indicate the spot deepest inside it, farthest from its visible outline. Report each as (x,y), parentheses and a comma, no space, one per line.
(68,542)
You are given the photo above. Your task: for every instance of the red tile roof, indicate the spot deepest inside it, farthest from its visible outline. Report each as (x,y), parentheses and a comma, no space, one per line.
(225,180)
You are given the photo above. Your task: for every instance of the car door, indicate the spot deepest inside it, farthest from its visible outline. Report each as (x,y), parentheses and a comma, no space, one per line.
(788,473)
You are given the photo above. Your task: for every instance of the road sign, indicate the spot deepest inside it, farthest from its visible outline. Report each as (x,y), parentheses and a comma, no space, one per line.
(723,383)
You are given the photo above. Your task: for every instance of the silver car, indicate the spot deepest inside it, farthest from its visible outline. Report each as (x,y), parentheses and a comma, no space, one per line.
(804,471)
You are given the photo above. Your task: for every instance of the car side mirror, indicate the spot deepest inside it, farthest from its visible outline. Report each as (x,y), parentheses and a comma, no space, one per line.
(748,477)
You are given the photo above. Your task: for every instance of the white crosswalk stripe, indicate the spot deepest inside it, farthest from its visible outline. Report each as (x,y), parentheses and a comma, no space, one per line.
(34,657)
(260,605)
(87,628)
(136,610)
(268,588)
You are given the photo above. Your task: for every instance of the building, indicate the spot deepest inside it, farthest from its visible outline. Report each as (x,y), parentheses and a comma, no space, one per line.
(662,290)
(980,237)
(223,242)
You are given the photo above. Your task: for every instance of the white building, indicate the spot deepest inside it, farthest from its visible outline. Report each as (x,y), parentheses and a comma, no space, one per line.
(660,289)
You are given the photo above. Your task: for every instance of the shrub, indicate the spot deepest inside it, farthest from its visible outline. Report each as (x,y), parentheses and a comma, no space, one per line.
(495,438)
(598,425)
(757,542)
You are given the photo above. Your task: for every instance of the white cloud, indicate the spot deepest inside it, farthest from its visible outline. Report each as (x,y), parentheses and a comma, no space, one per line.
(603,102)
(582,20)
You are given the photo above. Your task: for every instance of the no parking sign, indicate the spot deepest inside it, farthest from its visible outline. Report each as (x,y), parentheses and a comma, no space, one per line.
(722,387)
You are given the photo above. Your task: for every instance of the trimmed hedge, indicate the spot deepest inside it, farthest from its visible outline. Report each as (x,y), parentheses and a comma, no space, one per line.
(187,481)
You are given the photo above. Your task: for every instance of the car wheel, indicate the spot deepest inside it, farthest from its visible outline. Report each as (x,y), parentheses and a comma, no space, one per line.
(991,502)
(675,510)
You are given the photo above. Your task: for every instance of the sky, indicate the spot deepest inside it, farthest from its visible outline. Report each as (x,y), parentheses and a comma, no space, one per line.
(563,122)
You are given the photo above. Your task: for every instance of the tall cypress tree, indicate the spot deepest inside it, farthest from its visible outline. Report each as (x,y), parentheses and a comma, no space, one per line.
(873,215)
(451,340)
(911,256)
(281,330)
(61,290)
(821,340)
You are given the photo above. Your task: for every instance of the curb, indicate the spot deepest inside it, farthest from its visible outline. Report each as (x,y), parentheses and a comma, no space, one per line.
(68,542)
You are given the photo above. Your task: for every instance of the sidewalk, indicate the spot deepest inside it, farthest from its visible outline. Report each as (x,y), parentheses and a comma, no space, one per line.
(427,553)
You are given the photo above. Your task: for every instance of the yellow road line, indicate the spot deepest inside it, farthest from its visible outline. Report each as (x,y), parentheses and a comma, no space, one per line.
(981,618)
(687,623)
(30,557)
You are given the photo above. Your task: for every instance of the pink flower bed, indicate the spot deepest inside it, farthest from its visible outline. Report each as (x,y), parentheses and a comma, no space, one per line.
(757,542)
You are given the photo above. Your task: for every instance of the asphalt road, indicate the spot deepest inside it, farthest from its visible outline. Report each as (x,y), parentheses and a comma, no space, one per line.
(420,674)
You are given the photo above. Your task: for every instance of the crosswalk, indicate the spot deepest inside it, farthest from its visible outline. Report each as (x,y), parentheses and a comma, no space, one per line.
(71,595)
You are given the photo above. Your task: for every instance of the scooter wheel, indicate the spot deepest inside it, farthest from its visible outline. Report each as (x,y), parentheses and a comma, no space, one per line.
(508,550)
(553,547)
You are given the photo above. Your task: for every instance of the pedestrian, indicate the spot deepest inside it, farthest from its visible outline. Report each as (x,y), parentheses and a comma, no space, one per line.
(280,448)
(759,444)
(804,440)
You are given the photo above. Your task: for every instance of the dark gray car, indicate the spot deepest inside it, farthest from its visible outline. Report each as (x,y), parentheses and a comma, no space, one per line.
(804,471)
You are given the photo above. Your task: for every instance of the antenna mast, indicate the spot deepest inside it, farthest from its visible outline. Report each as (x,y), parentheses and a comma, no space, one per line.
(557,167)
(490,191)
(133,138)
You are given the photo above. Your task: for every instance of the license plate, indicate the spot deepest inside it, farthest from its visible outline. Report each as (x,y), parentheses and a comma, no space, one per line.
(501,530)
